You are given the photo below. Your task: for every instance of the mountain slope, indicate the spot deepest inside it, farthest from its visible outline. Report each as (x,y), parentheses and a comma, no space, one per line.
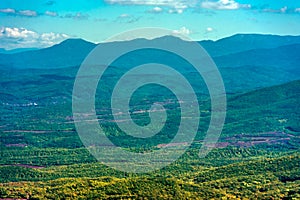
(4,51)
(70,52)
(242,71)
(274,108)
(283,57)
(262,178)
(245,42)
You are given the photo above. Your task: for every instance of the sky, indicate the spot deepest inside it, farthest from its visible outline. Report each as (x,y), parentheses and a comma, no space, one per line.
(42,23)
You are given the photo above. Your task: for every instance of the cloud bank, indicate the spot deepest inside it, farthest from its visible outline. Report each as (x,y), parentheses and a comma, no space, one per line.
(12,38)
(183,31)
(176,6)
(224,5)
(24,13)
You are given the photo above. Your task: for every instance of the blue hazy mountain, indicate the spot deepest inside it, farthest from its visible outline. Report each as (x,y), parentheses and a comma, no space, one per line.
(245,42)
(12,51)
(18,50)
(286,57)
(72,52)
(246,62)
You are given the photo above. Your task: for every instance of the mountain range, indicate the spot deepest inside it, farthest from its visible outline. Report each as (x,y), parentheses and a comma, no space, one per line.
(246,61)
(71,52)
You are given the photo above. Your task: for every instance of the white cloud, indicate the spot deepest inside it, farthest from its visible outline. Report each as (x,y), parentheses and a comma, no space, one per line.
(51,14)
(17,33)
(125,15)
(126,18)
(8,11)
(283,9)
(223,5)
(28,13)
(177,5)
(183,31)
(176,11)
(11,38)
(209,29)
(148,2)
(156,10)
(297,10)
(51,38)
(76,16)
(33,13)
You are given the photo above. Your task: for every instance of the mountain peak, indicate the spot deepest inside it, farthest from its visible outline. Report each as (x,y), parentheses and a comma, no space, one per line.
(74,41)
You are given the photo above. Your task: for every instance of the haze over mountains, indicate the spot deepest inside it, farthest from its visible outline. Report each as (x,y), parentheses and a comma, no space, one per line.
(71,52)
(244,42)
(246,61)
(4,51)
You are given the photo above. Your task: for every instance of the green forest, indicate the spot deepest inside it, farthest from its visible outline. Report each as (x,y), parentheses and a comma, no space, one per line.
(256,156)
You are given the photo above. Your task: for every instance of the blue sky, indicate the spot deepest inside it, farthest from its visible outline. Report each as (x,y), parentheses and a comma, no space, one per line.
(39,23)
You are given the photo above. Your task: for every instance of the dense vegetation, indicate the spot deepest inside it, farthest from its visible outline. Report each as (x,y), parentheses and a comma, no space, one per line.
(263,178)
(263,164)
(256,157)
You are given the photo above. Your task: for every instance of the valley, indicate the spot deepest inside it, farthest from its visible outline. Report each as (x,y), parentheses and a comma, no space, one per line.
(256,157)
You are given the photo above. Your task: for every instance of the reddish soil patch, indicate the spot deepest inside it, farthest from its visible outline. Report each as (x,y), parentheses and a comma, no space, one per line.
(172,144)
(26,166)
(247,140)
(222,144)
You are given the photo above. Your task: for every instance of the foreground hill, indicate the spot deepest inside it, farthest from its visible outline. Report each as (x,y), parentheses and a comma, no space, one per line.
(269,109)
(263,178)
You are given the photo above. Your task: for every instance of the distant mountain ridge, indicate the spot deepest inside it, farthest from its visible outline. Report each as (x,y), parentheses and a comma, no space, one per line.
(72,52)
(244,42)
(286,57)
(12,51)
